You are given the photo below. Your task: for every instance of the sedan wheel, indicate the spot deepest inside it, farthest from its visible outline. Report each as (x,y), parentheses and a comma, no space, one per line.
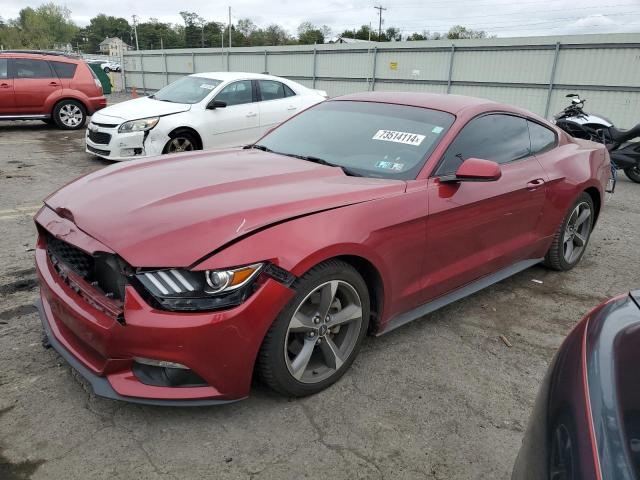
(570,241)
(181,142)
(317,335)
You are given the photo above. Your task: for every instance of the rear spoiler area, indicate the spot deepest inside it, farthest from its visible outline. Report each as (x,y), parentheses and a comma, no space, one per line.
(321,92)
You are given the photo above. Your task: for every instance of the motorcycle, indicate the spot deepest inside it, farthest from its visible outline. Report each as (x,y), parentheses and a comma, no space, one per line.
(625,155)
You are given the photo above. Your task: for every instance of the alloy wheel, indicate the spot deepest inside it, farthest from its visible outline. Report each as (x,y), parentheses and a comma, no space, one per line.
(71,115)
(323,331)
(576,232)
(180,144)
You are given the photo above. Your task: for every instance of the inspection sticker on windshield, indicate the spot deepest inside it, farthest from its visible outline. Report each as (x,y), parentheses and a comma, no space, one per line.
(399,137)
(207,86)
(397,167)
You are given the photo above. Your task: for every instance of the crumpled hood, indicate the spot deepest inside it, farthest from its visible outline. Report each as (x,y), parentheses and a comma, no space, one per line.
(142,107)
(171,211)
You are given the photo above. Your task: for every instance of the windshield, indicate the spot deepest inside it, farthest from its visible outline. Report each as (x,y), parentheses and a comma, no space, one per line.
(187,90)
(371,139)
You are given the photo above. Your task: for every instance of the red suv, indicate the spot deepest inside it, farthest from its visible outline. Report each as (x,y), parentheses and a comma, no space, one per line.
(52,87)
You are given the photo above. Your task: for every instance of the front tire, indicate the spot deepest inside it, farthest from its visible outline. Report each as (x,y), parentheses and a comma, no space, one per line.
(571,238)
(633,173)
(318,334)
(181,142)
(69,115)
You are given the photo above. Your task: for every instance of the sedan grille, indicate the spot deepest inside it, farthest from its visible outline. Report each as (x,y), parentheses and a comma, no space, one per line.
(97,151)
(104,271)
(99,137)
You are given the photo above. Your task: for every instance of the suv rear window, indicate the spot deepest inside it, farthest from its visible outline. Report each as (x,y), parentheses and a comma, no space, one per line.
(64,69)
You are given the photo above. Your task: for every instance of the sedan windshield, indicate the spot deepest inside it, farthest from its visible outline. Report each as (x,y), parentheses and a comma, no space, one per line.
(369,139)
(187,90)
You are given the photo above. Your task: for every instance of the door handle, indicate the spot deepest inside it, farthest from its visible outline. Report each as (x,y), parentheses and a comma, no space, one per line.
(4,85)
(54,84)
(251,114)
(533,184)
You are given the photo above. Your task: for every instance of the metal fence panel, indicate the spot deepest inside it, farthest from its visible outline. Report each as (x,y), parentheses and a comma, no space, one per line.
(534,73)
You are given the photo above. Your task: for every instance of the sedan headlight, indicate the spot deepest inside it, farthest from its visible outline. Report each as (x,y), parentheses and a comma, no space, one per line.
(179,289)
(141,125)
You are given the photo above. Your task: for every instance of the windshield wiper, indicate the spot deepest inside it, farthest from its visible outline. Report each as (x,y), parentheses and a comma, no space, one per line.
(257,147)
(321,161)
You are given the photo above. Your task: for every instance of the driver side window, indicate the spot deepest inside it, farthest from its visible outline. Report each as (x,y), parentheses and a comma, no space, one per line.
(498,137)
(236,93)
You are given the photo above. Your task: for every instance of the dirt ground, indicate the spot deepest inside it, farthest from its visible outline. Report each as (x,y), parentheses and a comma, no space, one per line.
(441,398)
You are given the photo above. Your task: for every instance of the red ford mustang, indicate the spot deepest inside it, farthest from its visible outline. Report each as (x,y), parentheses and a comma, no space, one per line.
(173,280)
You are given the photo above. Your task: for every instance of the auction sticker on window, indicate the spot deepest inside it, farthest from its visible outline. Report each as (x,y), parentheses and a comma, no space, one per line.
(399,137)
(206,86)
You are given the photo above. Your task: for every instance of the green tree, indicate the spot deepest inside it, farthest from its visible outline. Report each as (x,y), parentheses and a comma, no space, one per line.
(309,34)
(154,35)
(459,32)
(193,29)
(275,35)
(100,27)
(425,35)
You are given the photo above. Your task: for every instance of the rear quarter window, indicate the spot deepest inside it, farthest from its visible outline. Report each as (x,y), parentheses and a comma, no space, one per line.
(64,69)
(542,138)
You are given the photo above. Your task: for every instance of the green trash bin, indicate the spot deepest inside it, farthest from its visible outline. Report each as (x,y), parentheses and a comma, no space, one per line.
(102,76)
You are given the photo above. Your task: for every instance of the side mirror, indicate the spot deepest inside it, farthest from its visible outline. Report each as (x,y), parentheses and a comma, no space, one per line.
(213,104)
(474,170)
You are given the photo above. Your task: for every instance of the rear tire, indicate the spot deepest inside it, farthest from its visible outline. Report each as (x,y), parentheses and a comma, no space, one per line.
(107,69)
(69,115)
(633,173)
(571,239)
(317,336)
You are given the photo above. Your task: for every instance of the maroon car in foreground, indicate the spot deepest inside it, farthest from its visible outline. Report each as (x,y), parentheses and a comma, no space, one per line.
(173,280)
(586,421)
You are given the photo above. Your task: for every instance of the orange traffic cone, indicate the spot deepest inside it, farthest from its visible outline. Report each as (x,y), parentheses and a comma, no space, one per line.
(134,92)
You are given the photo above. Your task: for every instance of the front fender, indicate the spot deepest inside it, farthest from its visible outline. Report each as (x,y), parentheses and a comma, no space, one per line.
(380,231)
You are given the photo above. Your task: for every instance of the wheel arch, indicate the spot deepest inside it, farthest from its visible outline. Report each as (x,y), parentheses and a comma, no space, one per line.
(375,285)
(69,97)
(596,198)
(189,130)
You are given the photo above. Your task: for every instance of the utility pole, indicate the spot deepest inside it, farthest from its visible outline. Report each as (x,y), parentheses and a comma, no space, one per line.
(380,8)
(229,27)
(135,29)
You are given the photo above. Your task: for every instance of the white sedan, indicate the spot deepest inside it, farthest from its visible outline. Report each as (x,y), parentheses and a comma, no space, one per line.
(202,111)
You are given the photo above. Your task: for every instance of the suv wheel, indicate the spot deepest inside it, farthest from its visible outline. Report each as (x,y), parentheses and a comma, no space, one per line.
(69,115)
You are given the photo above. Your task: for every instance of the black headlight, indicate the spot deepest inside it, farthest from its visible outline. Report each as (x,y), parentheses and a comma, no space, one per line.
(186,290)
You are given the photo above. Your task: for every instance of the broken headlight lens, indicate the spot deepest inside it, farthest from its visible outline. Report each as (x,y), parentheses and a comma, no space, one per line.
(180,289)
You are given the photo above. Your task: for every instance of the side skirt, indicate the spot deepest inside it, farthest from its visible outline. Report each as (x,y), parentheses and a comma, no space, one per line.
(458,294)
(24,117)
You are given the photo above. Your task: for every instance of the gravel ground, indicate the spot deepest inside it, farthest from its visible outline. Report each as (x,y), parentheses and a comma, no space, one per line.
(441,398)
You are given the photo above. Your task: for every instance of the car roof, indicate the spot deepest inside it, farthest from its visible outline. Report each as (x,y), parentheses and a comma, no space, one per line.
(39,55)
(454,104)
(225,76)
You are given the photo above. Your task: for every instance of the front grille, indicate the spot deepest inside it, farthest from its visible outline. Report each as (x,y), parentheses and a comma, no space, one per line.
(105,125)
(80,262)
(99,137)
(104,271)
(98,151)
